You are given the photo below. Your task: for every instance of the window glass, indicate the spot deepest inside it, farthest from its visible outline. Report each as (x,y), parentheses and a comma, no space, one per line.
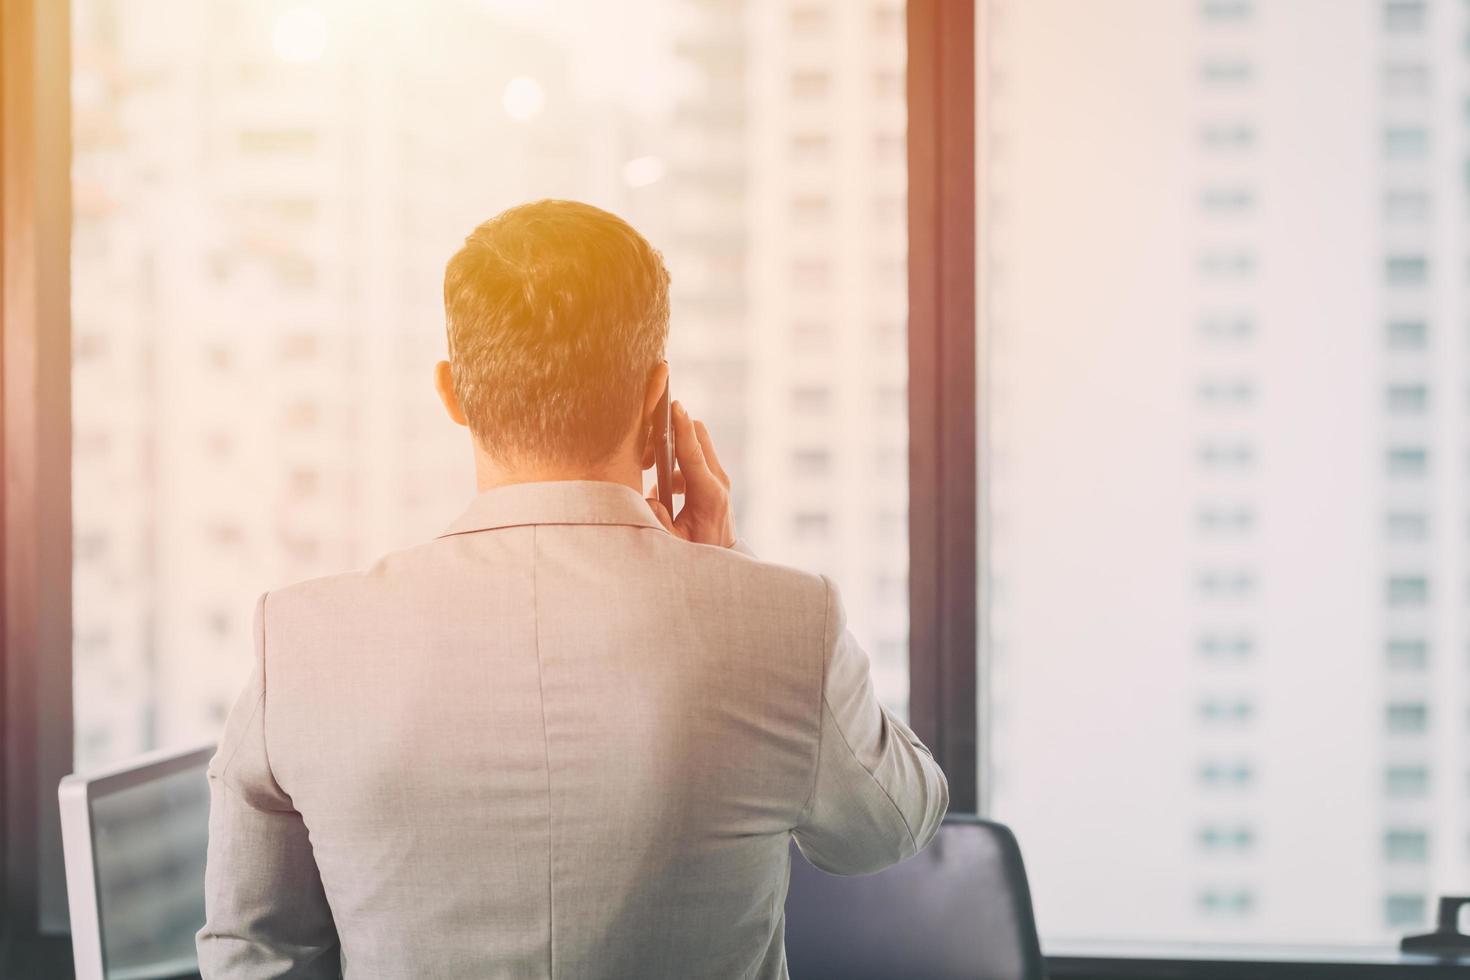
(1226,462)
(265,194)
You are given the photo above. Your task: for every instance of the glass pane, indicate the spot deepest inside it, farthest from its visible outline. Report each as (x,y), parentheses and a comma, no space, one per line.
(1227,591)
(265,195)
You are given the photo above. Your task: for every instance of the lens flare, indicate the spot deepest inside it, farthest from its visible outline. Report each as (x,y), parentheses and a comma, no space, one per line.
(642,171)
(524,98)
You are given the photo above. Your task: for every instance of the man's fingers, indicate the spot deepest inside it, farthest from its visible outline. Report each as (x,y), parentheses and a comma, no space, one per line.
(648,449)
(678,481)
(708,445)
(661,512)
(690,453)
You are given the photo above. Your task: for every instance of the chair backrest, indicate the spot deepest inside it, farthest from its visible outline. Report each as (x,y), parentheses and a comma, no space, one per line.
(960,909)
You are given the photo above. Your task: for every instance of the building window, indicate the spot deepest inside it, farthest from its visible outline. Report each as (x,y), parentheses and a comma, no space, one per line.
(807,85)
(1226,710)
(1226,583)
(226,534)
(1226,901)
(1406,525)
(1408,461)
(1224,519)
(1232,837)
(1225,774)
(1215,393)
(1226,72)
(1406,590)
(811,273)
(1408,334)
(298,347)
(891,401)
(1410,399)
(889,148)
(1405,142)
(810,525)
(1406,206)
(810,210)
(301,415)
(889,209)
(303,482)
(1225,10)
(1225,646)
(1406,846)
(1406,653)
(888,20)
(1227,263)
(1406,782)
(1403,16)
(887,85)
(809,20)
(1404,909)
(811,399)
(811,462)
(265,141)
(1406,78)
(1406,270)
(889,462)
(1228,136)
(1226,327)
(90,546)
(1226,455)
(811,336)
(1407,718)
(1226,200)
(810,147)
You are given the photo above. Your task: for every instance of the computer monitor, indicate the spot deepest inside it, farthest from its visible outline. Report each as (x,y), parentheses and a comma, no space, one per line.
(135,837)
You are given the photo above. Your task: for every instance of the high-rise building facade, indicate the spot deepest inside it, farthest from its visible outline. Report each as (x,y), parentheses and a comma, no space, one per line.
(1226,318)
(260,238)
(266,194)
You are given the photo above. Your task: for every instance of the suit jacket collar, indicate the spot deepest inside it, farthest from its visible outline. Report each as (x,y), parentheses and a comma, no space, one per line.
(559,502)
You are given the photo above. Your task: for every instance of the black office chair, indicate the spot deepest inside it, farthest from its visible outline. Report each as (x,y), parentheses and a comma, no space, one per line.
(961,910)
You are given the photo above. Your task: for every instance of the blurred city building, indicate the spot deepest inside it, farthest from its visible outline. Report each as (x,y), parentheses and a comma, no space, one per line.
(1226,375)
(265,196)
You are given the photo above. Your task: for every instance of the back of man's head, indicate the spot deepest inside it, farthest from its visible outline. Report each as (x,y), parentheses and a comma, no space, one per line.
(557,312)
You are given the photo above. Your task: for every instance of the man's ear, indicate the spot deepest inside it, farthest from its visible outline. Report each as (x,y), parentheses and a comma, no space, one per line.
(658,379)
(444,384)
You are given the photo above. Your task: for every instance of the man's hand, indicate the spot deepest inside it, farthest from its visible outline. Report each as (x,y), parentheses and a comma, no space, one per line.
(707,516)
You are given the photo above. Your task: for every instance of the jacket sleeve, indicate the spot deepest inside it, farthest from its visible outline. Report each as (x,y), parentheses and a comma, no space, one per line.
(266,913)
(879,796)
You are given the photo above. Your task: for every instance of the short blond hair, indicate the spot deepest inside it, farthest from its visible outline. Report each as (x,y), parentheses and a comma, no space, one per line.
(556,313)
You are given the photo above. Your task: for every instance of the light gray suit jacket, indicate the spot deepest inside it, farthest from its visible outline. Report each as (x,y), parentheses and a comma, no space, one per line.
(554,742)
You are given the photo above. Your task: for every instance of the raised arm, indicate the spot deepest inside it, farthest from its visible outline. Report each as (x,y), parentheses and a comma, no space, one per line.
(879,794)
(266,914)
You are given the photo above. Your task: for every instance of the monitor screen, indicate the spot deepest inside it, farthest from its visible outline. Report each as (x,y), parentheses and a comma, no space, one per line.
(149,843)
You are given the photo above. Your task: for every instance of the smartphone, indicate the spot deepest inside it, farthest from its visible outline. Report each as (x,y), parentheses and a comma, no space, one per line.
(663,451)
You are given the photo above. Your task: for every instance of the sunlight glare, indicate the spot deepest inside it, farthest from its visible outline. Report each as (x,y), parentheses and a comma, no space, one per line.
(524,98)
(642,171)
(300,35)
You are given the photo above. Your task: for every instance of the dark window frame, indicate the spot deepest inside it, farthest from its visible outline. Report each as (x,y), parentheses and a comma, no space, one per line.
(35,458)
(35,493)
(943,430)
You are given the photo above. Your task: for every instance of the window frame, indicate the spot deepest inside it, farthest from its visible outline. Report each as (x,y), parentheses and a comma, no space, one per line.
(943,426)
(35,493)
(944,337)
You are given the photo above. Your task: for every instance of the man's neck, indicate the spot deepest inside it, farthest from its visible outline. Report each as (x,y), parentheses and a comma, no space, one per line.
(490,474)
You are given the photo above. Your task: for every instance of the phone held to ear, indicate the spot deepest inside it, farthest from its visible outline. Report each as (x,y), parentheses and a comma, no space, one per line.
(663,451)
